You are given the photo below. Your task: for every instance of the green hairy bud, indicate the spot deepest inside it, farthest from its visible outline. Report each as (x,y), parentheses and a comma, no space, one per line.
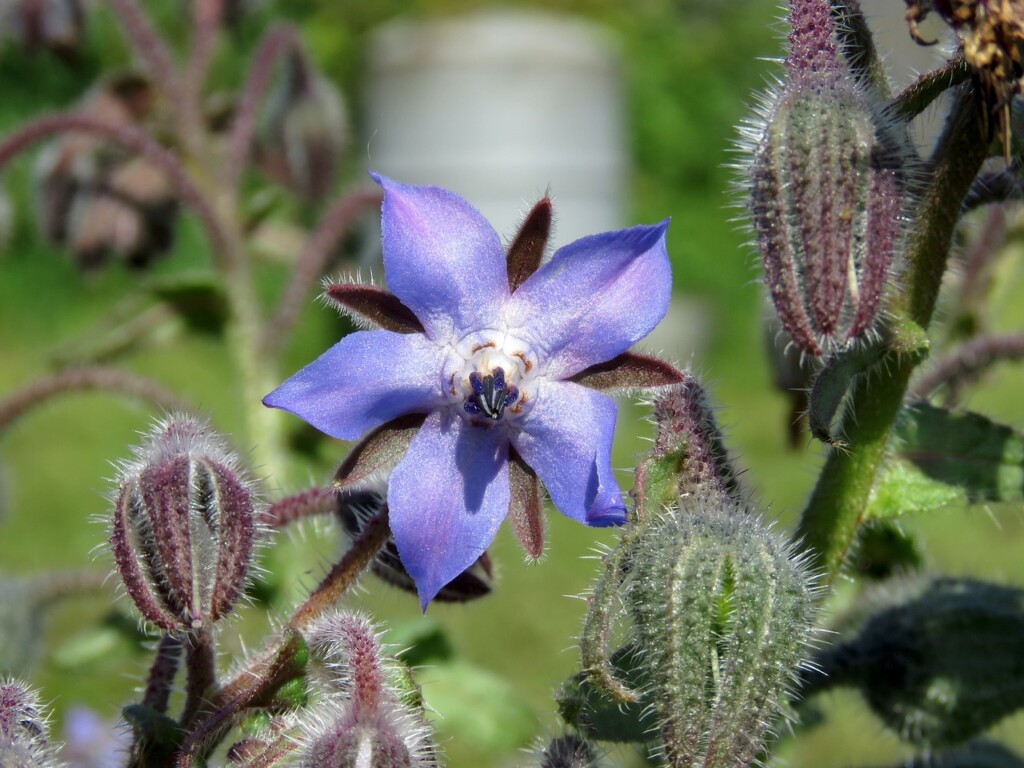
(940,662)
(723,610)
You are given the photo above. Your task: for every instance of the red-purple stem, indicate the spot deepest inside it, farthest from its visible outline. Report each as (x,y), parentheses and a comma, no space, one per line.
(160,681)
(259,680)
(279,40)
(206,16)
(201,669)
(87,380)
(969,360)
(309,503)
(313,261)
(150,47)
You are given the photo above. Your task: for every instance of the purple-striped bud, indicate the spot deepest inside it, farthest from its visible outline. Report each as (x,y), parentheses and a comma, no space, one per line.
(364,718)
(305,130)
(827,185)
(184,525)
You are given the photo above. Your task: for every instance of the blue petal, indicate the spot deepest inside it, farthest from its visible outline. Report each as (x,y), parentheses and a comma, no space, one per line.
(447,498)
(596,298)
(366,379)
(566,438)
(442,259)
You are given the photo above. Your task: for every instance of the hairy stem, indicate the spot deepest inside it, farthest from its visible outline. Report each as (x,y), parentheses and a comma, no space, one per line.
(150,48)
(313,261)
(836,507)
(284,659)
(138,142)
(312,502)
(280,39)
(344,574)
(91,379)
(201,668)
(160,681)
(969,360)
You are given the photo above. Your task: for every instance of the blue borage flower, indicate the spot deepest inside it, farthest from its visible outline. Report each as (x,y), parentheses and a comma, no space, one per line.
(502,358)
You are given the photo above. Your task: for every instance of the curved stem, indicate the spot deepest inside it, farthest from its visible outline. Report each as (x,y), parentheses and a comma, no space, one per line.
(92,379)
(206,15)
(150,47)
(136,141)
(279,40)
(160,681)
(284,660)
(969,360)
(49,587)
(836,507)
(313,261)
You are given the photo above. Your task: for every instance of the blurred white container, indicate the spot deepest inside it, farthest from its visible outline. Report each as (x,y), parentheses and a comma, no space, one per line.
(502,107)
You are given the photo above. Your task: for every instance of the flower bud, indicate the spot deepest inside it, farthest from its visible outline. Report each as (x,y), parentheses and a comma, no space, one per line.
(305,131)
(722,609)
(362,718)
(184,525)
(939,661)
(95,199)
(55,25)
(23,728)
(129,213)
(568,751)
(826,190)
(357,508)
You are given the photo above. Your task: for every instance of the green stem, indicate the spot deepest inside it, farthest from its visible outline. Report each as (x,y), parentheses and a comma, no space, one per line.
(837,506)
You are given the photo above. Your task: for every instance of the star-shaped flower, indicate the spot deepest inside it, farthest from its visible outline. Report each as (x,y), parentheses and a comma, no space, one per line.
(487,369)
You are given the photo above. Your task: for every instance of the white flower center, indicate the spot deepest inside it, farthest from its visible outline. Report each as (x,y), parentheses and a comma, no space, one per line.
(490,377)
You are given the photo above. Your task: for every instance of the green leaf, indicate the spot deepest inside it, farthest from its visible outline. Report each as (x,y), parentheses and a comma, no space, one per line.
(943,458)
(479,708)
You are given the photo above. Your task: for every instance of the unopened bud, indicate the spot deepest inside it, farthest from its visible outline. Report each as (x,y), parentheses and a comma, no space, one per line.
(723,609)
(184,525)
(357,508)
(129,213)
(827,188)
(54,25)
(23,728)
(362,718)
(305,131)
(568,751)
(940,662)
(96,200)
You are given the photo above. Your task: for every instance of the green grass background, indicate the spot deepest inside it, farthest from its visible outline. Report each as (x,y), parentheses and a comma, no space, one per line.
(690,68)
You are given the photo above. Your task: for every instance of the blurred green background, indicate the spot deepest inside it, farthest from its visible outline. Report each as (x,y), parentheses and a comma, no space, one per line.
(690,71)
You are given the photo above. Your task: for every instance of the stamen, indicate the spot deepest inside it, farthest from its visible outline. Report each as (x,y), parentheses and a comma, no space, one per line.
(491,394)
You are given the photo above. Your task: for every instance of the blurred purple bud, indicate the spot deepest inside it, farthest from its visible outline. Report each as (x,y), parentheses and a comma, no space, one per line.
(96,200)
(54,25)
(184,525)
(305,130)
